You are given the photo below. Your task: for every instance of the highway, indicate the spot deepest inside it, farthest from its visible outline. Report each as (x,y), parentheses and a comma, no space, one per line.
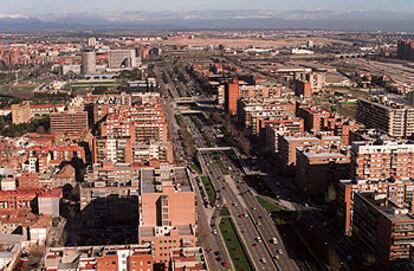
(241,200)
(253,223)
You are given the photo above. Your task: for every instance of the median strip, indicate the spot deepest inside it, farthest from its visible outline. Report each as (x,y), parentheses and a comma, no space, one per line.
(234,246)
(208,186)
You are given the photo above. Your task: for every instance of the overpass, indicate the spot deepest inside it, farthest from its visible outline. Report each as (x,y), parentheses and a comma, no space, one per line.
(246,169)
(192,99)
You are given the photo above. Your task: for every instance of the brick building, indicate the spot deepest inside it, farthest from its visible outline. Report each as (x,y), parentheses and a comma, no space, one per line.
(69,122)
(231,95)
(398,191)
(383,230)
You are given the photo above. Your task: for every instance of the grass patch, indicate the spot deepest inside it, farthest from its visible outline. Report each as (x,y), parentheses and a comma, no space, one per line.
(196,168)
(234,245)
(346,110)
(268,205)
(211,193)
(224,212)
(279,214)
(179,120)
(223,167)
(20,91)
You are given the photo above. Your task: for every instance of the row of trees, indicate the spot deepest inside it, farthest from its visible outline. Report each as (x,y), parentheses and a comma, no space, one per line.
(39,125)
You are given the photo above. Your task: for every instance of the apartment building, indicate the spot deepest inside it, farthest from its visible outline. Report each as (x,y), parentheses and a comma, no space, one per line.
(395,119)
(289,143)
(167,215)
(383,230)
(318,169)
(275,128)
(379,160)
(315,118)
(191,258)
(343,128)
(124,150)
(69,122)
(40,201)
(251,112)
(231,95)
(132,257)
(105,202)
(142,122)
(21,113)
(400,192)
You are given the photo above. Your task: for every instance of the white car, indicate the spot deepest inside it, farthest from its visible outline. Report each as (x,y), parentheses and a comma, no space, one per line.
(263,260)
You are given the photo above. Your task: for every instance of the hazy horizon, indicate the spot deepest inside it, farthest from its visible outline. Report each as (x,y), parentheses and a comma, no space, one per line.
(112,7)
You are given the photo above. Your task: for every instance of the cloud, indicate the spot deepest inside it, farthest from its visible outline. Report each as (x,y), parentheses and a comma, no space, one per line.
(14,16)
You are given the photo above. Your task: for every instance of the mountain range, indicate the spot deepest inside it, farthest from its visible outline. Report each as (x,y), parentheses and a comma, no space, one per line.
(213,19)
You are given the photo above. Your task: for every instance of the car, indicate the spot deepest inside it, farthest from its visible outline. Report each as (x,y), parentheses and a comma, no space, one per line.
(274,240)
(235,204)
(280,251)
(215,231)
(263,260)
(246,215)
(258,223)
(276,257)
(253,208)
(254,245)
(258,239)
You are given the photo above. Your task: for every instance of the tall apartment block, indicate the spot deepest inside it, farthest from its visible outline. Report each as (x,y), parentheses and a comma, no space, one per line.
(231,95)
(400,192)
(380,160)
(383,230)
(69,122)
(21,113)
(395,119)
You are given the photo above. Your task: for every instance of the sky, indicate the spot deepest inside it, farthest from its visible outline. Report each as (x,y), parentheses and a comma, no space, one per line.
(110,7)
